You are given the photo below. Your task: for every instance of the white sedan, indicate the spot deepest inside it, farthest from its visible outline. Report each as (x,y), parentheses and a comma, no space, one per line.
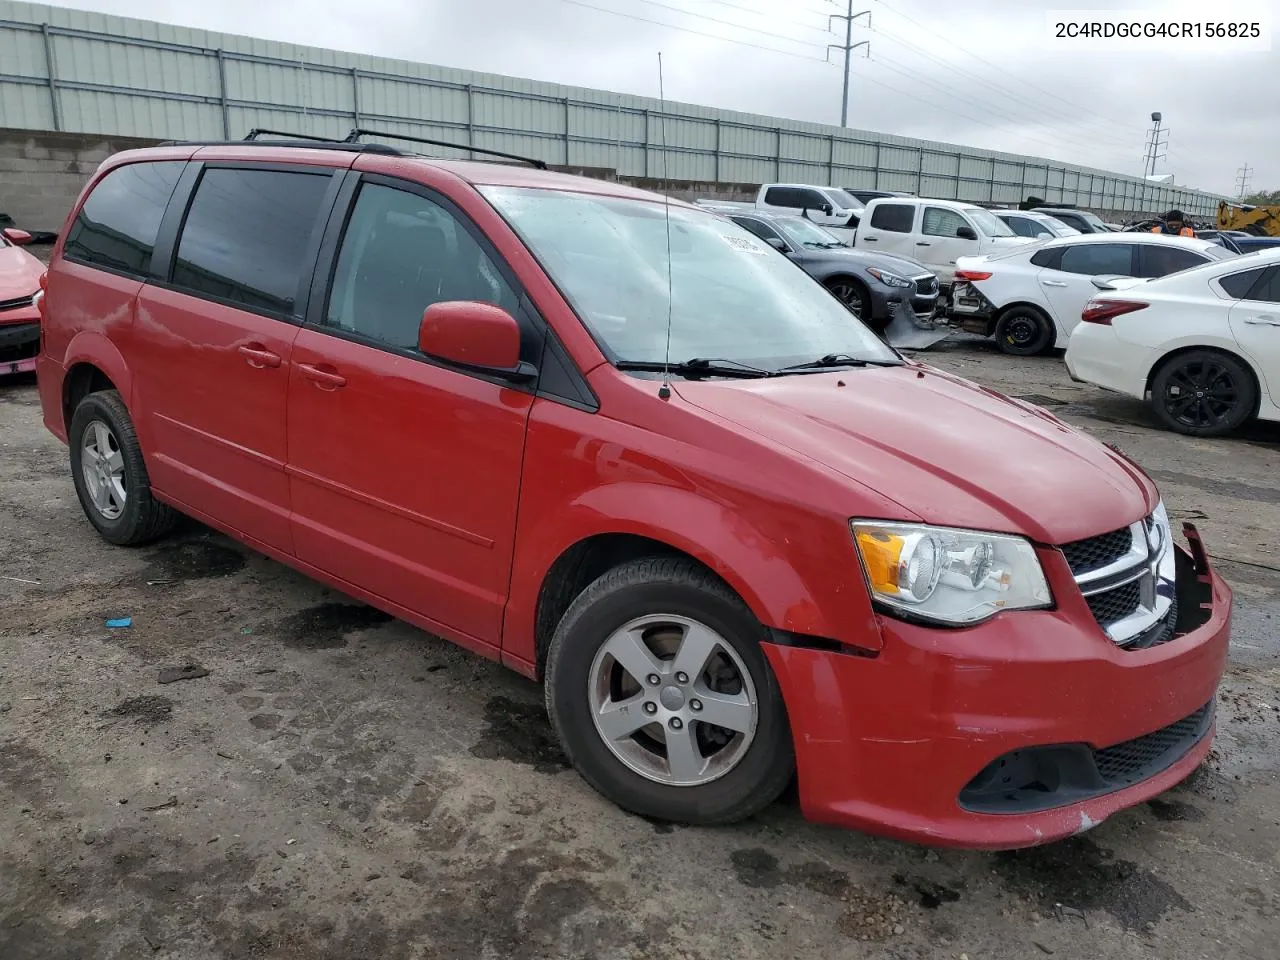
(1204,344)
(1030,297)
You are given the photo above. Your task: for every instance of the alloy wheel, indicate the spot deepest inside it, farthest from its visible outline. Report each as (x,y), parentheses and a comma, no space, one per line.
(672,700)
(102,465)
(849,294)
(1201,394)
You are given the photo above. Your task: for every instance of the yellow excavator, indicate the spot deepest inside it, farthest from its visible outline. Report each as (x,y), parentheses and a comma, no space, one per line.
(1261,221)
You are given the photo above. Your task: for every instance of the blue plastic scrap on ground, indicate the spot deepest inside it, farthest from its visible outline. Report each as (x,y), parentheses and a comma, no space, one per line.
(119,622)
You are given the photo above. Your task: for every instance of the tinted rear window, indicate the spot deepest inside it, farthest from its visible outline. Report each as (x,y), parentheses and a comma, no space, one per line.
(895,217)
(1239,285)
(117,226)
(247,234)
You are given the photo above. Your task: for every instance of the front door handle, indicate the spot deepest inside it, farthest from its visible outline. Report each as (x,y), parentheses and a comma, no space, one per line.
(1264,319)
(1053,283)
(871,239)
(256,355)
(323,376)
(923,243)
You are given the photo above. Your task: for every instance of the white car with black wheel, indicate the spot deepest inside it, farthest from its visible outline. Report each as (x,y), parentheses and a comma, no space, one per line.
(1203,344)
(1029,298)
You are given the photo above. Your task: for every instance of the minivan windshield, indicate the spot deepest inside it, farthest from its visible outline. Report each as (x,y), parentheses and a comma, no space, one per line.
(729,296)
(988,222)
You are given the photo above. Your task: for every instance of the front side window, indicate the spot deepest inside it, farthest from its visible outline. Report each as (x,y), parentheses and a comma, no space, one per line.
(840,198)
(941,222)
(400,254)
(988,223)
(117,226)
(894,217)
(1098,259)
(1022,226)
(722,294)
(247,234)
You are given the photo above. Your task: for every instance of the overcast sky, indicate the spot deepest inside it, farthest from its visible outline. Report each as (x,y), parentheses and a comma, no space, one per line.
(980,73)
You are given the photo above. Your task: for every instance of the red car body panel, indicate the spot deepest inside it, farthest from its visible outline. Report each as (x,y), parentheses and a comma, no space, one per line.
(20,274)
(446,499)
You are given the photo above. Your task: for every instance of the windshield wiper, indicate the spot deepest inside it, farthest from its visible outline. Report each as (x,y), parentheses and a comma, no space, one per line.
(697,367)
(839,360)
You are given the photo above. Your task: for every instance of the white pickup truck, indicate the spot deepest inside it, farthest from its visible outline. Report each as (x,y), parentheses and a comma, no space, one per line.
(828,207)
(935,232)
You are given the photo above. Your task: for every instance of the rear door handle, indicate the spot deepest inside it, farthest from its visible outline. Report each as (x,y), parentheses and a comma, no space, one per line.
(871,239)
(1264,319)
(923,243)
(1053,283)
(256,355)
(323,376)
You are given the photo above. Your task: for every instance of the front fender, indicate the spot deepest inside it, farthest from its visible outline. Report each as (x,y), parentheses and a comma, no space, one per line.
(789,579)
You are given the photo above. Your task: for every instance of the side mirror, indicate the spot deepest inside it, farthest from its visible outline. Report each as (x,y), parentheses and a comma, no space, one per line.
(19,238)
(777,243)
(476,335)
(966,233)
(826,208)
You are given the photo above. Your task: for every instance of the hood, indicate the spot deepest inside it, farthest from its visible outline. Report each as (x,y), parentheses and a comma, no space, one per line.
(19,273)
(947,451)
(904,266)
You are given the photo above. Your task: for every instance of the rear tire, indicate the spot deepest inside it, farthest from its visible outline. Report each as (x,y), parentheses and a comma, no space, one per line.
(1203,393)
(110,475)
(1024,332)
(659,615)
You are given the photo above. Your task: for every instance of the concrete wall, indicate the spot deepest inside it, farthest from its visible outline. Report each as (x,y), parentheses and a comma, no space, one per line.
(41,174)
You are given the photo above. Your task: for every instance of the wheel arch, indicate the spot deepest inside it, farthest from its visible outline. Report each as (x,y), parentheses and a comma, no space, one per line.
(91,358)
(584,562)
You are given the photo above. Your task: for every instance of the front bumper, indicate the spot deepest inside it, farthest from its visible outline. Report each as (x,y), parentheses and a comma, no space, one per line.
(19,341)
(887,744)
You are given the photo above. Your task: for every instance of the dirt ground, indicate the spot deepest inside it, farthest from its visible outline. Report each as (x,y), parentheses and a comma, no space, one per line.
(340,786)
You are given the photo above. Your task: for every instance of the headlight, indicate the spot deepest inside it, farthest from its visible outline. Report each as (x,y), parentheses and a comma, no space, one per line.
(889,279)
(949,576)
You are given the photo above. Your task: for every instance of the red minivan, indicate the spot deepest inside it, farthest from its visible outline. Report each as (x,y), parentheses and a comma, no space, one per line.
(626,448)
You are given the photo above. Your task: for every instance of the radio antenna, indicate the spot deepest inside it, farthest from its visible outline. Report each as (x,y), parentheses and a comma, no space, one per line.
(664,392)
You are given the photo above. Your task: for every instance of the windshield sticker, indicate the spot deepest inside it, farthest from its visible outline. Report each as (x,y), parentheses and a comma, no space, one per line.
(744,245)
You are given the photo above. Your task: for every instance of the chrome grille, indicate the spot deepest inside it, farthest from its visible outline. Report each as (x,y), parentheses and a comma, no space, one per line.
(1115,604)
(1085,556)
(1127,577)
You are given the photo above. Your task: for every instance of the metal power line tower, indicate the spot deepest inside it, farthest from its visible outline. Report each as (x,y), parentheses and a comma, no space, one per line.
(1156,138)
(848,47)
(1242,180)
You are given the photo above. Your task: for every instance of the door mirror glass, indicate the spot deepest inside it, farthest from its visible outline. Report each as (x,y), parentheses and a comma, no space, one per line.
(17,237)
(471,334)
(966,233)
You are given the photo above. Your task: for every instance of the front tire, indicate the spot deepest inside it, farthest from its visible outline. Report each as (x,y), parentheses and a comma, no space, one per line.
(1203,393)
(855,297)
(1024,332)
(659,690)
(109,473)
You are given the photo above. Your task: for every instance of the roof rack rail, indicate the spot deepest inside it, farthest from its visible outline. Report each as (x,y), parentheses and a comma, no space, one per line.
(256,132)
(355,135)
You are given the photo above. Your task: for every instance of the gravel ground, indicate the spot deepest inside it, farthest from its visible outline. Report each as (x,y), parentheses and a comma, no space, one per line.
(340,785)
